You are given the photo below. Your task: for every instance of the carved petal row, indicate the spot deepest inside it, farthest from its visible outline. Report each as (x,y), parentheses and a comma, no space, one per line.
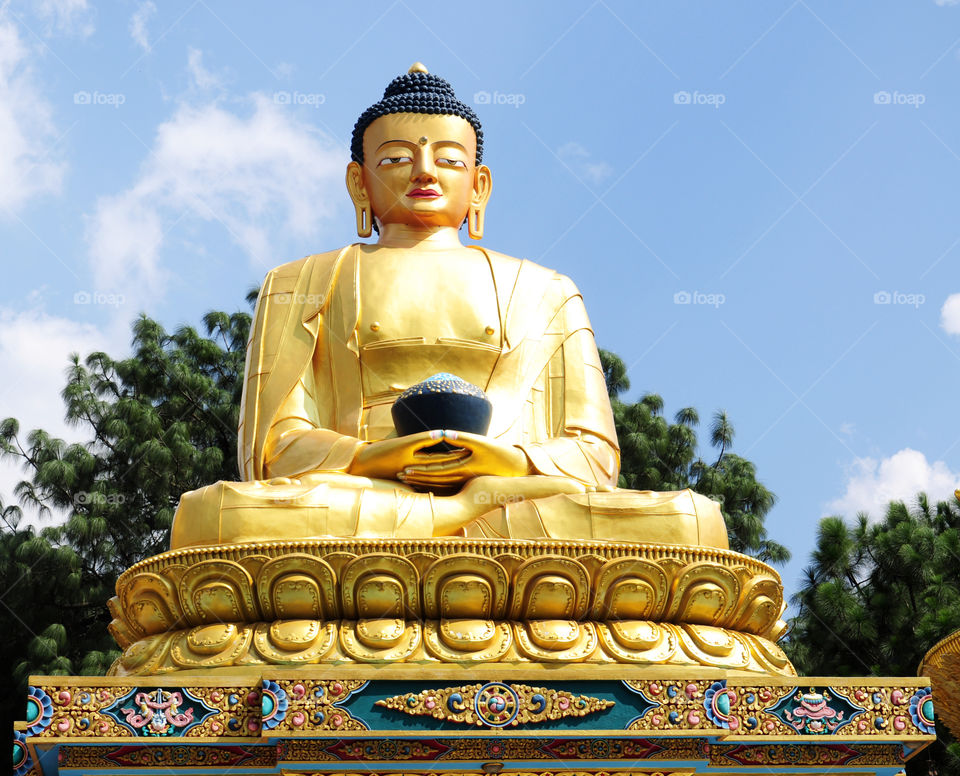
(461,587)
(305,641)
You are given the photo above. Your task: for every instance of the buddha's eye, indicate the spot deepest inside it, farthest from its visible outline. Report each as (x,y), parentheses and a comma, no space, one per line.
(394,160)
(452,162)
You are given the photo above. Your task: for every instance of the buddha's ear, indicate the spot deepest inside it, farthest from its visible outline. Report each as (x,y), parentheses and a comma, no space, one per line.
(361,200)
(482,185)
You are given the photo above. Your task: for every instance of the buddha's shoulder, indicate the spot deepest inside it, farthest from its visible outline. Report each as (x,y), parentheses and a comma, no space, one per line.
(294,269)
(529,272)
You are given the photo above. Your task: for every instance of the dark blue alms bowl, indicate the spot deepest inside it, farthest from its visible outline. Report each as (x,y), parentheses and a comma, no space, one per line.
(443,401)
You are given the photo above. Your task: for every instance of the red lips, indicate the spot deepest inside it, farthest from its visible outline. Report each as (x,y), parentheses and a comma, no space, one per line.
(424,193)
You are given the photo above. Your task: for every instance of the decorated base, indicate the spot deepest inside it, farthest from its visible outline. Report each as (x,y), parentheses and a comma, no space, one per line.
(485,602)
(379,720)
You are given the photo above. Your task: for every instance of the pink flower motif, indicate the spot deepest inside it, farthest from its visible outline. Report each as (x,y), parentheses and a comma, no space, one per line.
(430,703)
(337,720)
(564,703)
(692,690)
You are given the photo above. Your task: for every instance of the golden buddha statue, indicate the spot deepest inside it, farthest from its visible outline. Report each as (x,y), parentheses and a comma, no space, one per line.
(338,336)
(349,543)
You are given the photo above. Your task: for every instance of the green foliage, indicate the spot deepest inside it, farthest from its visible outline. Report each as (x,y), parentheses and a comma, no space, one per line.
(658,455)
(157,424)
(877,596)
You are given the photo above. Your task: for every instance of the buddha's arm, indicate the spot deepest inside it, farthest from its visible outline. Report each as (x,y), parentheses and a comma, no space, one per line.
(580,441)
(297,443)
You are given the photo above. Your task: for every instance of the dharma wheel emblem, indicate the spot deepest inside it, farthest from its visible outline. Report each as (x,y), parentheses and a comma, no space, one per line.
(496,704)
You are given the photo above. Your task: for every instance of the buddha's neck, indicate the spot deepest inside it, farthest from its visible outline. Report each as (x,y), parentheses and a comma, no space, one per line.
(439,238)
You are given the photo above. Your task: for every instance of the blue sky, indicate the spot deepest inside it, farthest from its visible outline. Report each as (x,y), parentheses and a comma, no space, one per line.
(787,168)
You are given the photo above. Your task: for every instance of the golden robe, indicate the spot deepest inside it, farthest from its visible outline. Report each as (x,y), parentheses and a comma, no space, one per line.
(319,384)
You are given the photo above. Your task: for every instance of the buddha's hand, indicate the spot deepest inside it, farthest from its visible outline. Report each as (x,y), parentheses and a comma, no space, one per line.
(387,459)
(484,456)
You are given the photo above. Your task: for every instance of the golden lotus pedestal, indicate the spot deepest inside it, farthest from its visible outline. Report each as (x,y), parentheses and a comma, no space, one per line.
(942,665)
(345,656)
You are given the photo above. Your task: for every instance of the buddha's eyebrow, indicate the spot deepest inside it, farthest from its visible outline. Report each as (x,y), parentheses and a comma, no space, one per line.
(411,143)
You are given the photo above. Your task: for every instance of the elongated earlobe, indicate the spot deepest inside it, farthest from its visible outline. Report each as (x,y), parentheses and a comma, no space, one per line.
(364,220)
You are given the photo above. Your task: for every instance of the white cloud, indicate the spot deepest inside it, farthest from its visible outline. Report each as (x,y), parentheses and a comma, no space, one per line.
(577,158)
(201,77)
(71,17)
(138,24)
(950,312)
(28,166)
(263,175)
(946,2)
(34,351)
(871,484)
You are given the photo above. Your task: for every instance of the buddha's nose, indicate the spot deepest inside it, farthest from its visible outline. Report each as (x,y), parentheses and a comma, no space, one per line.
(424,169)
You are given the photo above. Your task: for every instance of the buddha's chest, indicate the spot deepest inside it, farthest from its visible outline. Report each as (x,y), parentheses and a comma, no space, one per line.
(428,301)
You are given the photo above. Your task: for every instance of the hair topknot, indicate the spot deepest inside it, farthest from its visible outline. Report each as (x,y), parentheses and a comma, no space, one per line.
(415,92)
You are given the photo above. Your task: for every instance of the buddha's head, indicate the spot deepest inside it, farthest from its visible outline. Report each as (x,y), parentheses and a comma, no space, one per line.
(416,159)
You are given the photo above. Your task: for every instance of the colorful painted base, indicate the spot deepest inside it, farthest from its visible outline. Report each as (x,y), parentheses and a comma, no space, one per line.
(393,719)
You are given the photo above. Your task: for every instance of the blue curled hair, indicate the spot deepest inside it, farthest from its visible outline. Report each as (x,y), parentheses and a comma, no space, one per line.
(415,93)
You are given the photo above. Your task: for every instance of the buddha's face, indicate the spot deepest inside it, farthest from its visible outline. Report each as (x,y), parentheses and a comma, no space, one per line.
(420,170)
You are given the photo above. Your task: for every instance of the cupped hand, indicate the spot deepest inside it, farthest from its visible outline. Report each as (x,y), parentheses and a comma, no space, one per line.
(388,458)
(484,456)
